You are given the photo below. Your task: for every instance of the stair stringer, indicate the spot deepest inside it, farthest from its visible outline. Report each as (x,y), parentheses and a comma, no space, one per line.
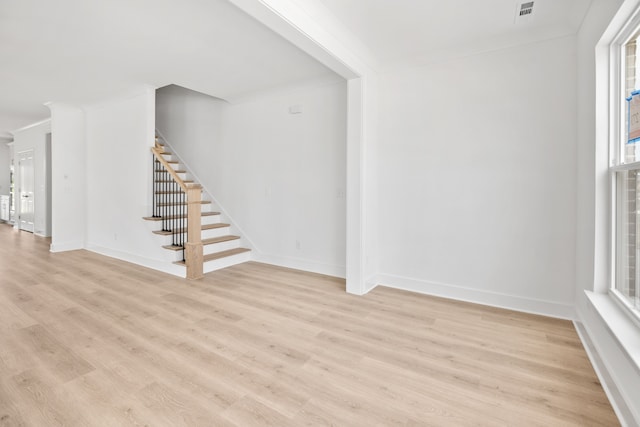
(245,240)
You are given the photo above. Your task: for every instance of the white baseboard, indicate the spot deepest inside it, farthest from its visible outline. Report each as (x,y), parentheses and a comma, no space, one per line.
(364,288)
(164,266)
(612,342)
(371,283)
(510,302)
(608,384)
(301,264)
(66,246)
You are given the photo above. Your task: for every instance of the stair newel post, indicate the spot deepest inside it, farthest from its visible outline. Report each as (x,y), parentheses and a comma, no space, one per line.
(193,246)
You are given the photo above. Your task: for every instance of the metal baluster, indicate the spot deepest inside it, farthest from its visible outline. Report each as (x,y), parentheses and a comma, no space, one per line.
(178,215)
(165,225)
(184,221)
(153,185)
(173,209)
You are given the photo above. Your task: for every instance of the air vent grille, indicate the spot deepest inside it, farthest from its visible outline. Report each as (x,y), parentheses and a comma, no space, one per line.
(524,12)
(526,8)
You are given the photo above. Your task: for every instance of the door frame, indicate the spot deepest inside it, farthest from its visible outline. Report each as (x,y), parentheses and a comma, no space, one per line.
(20,155)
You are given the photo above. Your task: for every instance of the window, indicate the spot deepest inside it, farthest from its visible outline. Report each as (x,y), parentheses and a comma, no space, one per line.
(625,169)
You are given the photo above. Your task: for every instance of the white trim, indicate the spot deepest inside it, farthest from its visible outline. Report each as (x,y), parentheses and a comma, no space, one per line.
(371,283)
(604,375)
(301,264)
(624,304)
(32,125)
(494,299)
(625,167)
(66,246)
(616,349)
(619,324)
(622,28)
(163,266)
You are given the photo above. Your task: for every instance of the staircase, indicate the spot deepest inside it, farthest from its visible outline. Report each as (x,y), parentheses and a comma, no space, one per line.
(185,223)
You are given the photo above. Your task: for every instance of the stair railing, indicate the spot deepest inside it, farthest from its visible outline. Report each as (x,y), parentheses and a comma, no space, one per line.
(178,204)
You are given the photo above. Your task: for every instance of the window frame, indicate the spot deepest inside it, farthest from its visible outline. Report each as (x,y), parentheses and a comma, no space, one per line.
(617,132)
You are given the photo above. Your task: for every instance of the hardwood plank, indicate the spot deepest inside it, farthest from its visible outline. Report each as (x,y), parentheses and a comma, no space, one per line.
(42,405)
(249,412)
(90,340)
(10,414)
(57,358)
(172,408)
(11,317)
(94,397)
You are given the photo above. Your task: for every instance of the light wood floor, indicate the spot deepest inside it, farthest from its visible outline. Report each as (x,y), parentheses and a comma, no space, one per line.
(87,340)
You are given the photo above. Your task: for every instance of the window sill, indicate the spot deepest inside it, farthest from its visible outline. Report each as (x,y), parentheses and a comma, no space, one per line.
(619,324)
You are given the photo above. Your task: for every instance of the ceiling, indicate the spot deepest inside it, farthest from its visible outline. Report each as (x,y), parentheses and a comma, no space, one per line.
(419,31)
(82,51)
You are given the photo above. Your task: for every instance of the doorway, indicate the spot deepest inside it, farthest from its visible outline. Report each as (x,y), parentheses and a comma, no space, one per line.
(26,191)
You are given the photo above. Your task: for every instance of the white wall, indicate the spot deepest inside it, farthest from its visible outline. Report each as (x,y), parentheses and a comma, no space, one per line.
(69,177)
(34,138)
(280,176)
(119,136)
(192,123)
(477,177)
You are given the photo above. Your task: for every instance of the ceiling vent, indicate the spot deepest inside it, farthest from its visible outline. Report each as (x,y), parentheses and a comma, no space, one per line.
(524,11)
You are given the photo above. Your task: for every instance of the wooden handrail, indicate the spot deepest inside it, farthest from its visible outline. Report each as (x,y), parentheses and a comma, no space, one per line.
(193,250)
(157,152)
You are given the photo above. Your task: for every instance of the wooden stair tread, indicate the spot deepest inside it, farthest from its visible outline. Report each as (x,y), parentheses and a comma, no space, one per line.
(218,255)
(173,247)
(221,239)
(159,218)
(184,230)
(172,192)
(169,182)
(224,254)
(214,226)
(202,202)
(165,171)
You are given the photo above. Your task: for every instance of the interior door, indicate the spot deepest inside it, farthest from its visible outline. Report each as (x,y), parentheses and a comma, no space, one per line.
(25,190)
